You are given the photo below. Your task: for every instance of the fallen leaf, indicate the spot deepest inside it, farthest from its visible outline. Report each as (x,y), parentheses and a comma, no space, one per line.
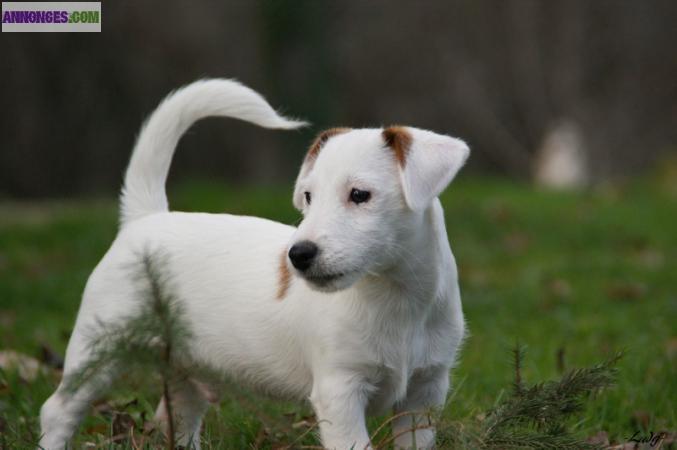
(99,428)
(302,424)
(600,438)
(7,318)
(149,427)
(671,347)
(103,408)
(122,423)
(559,287)
(516,242)
(627,291)
(498,212)
(27,367)
(649,258)
(641,419)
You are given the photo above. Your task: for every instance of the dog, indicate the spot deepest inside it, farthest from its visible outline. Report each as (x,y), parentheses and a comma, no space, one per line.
(358,309)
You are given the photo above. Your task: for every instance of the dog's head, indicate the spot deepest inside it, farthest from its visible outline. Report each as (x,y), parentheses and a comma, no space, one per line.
(362,192)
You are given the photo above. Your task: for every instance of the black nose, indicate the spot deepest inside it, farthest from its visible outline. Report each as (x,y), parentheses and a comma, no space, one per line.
(302,254)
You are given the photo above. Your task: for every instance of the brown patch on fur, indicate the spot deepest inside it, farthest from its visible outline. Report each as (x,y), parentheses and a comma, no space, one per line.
(399,140)
(284,277)
(322,139)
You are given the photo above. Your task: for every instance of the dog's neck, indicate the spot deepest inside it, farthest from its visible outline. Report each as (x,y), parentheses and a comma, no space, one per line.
(423,260)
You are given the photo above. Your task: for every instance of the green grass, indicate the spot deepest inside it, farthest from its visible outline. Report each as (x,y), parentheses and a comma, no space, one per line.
(579,275)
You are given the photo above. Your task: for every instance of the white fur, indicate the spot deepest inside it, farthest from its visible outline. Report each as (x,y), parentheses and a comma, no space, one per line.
(381,337)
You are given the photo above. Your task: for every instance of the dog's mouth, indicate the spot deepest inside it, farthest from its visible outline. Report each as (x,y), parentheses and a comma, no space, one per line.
(323,279)
(330,282)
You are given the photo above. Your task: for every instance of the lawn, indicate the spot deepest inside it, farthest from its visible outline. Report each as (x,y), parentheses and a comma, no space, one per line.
(573,277)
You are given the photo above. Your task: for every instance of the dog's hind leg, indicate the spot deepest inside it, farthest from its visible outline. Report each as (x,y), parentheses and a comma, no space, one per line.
(188,403)
(61,414)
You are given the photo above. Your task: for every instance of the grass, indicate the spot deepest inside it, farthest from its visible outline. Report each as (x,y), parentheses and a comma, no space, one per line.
(572,276)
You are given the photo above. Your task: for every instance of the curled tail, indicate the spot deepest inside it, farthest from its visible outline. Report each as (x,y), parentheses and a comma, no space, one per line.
(144,187)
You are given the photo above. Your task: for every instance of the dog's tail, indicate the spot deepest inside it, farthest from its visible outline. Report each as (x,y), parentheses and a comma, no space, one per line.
(144,187)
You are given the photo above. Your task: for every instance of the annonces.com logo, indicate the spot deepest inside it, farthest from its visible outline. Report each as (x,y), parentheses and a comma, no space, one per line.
(36,17)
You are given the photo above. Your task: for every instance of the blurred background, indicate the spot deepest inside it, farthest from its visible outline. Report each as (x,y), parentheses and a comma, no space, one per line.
(564,222)
(519,80)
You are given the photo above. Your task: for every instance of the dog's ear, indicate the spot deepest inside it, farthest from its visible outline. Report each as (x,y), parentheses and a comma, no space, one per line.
(309,161)
(427,162)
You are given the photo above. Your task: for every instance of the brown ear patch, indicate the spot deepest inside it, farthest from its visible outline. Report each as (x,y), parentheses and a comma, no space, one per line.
(284,277)
(399,140)
(322,139)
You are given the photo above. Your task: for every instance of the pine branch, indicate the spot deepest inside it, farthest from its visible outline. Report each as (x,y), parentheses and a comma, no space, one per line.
(545,405)
(170,414)
(518,357)
(535,440)
(146,341)
(533,417)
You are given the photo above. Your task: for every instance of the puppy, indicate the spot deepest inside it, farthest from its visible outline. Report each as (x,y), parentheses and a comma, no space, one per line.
(357,309)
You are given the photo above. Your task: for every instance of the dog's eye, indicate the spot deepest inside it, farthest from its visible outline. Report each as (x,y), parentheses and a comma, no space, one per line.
(358,196)
(307,195)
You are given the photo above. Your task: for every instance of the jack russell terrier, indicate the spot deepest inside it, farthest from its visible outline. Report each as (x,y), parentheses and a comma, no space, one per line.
(358,309)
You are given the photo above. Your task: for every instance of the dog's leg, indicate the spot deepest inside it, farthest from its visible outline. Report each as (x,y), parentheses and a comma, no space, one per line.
(61,414)
(427,391)
(339,401)
(188,403)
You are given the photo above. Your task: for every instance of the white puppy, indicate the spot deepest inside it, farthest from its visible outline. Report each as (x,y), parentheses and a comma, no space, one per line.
(357,309)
